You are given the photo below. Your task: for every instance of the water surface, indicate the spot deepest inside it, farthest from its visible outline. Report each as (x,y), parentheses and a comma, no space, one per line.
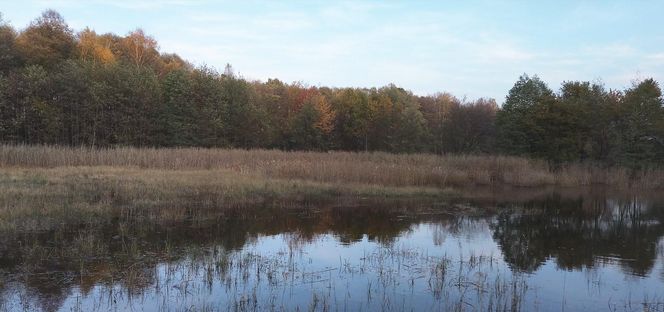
(551,251)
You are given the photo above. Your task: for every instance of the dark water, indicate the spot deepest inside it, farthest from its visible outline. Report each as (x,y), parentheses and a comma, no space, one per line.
(552,251)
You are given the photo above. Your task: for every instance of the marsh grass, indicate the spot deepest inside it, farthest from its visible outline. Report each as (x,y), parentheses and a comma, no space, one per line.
(38,199)
(43,187)
(249,280)
(399,170)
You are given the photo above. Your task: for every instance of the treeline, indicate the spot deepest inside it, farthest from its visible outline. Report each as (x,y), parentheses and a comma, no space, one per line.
(61,87)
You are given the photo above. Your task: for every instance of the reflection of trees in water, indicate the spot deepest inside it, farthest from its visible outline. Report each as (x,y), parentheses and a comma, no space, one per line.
(660,247)
(31,299)
(461,226)
(579,231)
(50,265)
(439,234)
(573,230)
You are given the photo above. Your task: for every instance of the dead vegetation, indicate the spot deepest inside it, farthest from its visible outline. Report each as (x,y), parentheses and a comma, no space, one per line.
(42,187)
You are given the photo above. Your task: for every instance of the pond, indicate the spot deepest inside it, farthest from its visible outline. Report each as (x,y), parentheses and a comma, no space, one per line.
(547,251)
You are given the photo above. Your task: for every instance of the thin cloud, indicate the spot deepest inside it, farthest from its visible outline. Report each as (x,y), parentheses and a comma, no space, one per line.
(471,49)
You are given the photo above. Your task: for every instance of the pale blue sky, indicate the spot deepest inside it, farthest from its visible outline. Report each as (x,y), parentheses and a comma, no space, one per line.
(468,48)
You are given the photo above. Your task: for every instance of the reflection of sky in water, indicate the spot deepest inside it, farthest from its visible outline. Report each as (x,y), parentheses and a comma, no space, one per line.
(593,255)
(336,272)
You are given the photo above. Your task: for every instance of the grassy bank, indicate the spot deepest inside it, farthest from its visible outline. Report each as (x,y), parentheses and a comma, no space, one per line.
(45,187)
(36,199)
(378,169)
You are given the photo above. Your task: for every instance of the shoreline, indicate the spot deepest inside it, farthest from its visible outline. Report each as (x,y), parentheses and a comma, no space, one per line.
(339,167)
(37,199)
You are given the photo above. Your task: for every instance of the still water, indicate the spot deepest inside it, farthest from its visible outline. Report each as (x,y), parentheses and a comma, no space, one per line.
(548,252)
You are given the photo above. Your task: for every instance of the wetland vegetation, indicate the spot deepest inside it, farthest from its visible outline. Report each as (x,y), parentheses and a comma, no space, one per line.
(131,179)
(554,250)
(45,187)
(209,229)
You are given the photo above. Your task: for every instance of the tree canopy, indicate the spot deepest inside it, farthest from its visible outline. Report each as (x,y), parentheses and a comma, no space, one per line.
(58,86)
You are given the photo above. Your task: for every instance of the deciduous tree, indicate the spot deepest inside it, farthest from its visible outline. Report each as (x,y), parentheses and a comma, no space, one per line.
(47,41)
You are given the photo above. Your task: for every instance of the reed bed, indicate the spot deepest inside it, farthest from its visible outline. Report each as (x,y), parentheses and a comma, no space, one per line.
(47,187)
(37,199)
(375,168)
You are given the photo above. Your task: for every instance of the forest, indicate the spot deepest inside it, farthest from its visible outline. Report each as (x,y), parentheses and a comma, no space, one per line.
(61,87)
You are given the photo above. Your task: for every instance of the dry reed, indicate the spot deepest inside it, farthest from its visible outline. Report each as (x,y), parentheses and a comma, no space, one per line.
(42,187)
(414,170)
(36,199)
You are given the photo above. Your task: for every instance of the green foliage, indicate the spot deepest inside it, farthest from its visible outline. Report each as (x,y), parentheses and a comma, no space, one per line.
(584,122)
(396,122)
(304,133)
(353,117)
(515,119)
(108,90)
(592,110)
(130,98)
(640,135)
(242,120)
(76,102)
(32,118)
(207,102)
(177,122)
(554,128)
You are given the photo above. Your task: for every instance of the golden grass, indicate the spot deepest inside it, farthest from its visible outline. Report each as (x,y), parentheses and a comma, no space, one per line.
(35,199)
(44,187)
(383,169)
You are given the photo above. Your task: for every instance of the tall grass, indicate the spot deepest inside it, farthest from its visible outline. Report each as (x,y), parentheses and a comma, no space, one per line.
(376,168)
(36,199)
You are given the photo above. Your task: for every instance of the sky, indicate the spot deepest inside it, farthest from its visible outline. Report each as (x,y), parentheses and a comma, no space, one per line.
(469,48)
